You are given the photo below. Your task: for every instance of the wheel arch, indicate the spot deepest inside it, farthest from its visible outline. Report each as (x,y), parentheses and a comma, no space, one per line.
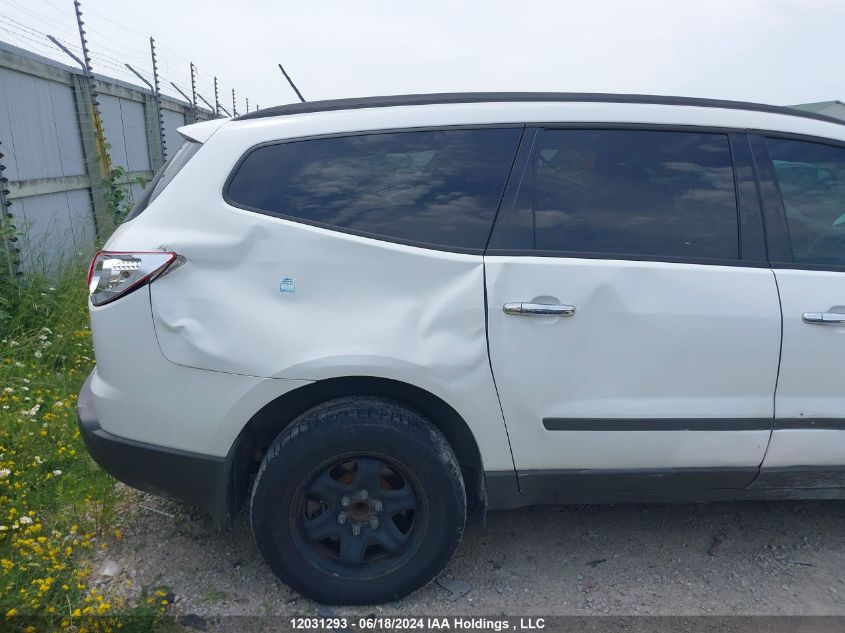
(279,413)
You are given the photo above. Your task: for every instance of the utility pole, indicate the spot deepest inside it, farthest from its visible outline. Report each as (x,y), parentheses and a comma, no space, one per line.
(234,103)
(292,85)
(247,105)
(97,159)
(157,90)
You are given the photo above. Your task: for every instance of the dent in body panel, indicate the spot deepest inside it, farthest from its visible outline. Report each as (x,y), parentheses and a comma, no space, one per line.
(361,307)
(648,340)
(627,306)
(140,395)
(805,447)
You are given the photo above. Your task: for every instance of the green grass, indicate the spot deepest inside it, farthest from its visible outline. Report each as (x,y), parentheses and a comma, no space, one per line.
(56,505)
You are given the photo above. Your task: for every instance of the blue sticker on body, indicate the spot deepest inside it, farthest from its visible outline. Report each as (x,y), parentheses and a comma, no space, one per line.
(287,284)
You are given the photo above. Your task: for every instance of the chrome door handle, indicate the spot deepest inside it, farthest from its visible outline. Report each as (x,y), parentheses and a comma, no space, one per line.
(538,309)
(824,318)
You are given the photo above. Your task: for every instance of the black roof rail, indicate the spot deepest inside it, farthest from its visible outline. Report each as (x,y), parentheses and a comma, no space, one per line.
(535,97)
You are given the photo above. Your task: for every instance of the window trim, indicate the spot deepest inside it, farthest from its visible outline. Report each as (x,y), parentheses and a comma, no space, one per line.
(752,225)
(377,236)
(774,211)
(512,196)
(149,193)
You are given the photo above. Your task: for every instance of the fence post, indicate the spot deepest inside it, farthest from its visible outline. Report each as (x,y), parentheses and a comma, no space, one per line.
(151,125)
(159,114)
(216,99)
(97,159)
(13,250)
(194,116)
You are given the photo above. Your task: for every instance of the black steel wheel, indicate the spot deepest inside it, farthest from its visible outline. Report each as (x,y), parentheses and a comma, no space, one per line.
(359,516)
(342,507)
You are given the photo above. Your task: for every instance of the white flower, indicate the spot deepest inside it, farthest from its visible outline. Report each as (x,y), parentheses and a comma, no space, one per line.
(3,528)
(59,404)
(4,472)
(25,520)
(38,460)
(8,390)
(42,337)
(33,410)
(57,472)
(13,343)
(38,354)
(18,363)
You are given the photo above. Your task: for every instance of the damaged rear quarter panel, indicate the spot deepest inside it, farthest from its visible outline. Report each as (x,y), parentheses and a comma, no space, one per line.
(267,297)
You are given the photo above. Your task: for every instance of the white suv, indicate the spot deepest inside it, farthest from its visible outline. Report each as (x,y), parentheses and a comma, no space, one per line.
(373,318)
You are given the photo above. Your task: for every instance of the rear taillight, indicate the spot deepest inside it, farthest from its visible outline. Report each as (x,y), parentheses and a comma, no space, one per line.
(114,274)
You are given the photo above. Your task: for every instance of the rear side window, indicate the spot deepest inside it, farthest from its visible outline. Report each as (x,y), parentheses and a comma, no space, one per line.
(649,193)
(811,177)
(164,176)
(432,187)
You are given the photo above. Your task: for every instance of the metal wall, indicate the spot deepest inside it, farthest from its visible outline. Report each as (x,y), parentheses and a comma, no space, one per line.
(44,136)
(126,132)
(172,120)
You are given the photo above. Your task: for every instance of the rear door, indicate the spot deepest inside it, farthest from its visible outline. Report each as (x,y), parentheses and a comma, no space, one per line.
(803,180)
(634,324)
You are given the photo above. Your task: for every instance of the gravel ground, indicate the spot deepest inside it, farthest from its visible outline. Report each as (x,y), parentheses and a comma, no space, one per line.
(774,558)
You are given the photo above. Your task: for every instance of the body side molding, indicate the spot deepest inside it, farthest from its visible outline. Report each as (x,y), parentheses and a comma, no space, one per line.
(658,424)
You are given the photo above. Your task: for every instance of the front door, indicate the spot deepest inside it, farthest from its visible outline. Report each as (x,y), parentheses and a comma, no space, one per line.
(632,347)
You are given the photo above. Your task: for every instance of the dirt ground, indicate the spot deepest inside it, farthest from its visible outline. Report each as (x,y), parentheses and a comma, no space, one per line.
(774,558)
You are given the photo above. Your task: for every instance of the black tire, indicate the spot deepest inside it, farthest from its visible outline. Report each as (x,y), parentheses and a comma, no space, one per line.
(362,462)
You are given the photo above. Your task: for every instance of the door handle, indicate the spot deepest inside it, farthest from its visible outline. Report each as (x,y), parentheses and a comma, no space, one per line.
(538,309)
(824,318)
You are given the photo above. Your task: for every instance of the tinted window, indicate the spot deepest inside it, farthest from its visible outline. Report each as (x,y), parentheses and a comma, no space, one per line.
(649,193)
(812,182)
(439,187)
(164,176)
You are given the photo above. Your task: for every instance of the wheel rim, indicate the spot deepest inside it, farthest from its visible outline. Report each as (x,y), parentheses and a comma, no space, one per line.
(359,516)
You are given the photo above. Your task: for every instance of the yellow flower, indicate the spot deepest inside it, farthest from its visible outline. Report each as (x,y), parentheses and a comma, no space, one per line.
(11,612)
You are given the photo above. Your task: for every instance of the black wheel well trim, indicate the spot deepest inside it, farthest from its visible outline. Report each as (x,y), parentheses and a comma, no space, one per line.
(278,414)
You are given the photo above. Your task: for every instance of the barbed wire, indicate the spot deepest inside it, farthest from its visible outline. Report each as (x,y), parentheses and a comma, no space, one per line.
(106,60)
